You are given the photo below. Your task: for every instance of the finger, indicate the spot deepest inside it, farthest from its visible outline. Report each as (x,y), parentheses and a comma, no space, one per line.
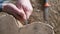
(27,11)
(26,5)
(14,9)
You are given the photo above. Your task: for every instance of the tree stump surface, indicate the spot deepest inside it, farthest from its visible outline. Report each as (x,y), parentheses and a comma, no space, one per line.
(8,24)
(36,28)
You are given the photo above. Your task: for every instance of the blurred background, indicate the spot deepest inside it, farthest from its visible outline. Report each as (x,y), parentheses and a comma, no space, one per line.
(54,13)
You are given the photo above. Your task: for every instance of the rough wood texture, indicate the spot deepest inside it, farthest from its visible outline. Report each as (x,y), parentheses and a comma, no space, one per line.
(37,28)
(8,24)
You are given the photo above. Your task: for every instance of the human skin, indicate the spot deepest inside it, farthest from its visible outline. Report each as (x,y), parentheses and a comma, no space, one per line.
(13,9)
(22,10)
(26,5)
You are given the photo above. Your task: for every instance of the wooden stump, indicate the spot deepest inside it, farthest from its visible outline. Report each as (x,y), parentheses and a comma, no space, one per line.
(8,24)
(37,28)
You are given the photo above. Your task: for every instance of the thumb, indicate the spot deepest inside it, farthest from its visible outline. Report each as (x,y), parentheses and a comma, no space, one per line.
(28,13)
(22,13)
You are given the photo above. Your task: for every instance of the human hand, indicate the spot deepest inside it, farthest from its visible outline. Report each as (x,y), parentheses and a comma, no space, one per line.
(11,8)
(23,9)
(26,6)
